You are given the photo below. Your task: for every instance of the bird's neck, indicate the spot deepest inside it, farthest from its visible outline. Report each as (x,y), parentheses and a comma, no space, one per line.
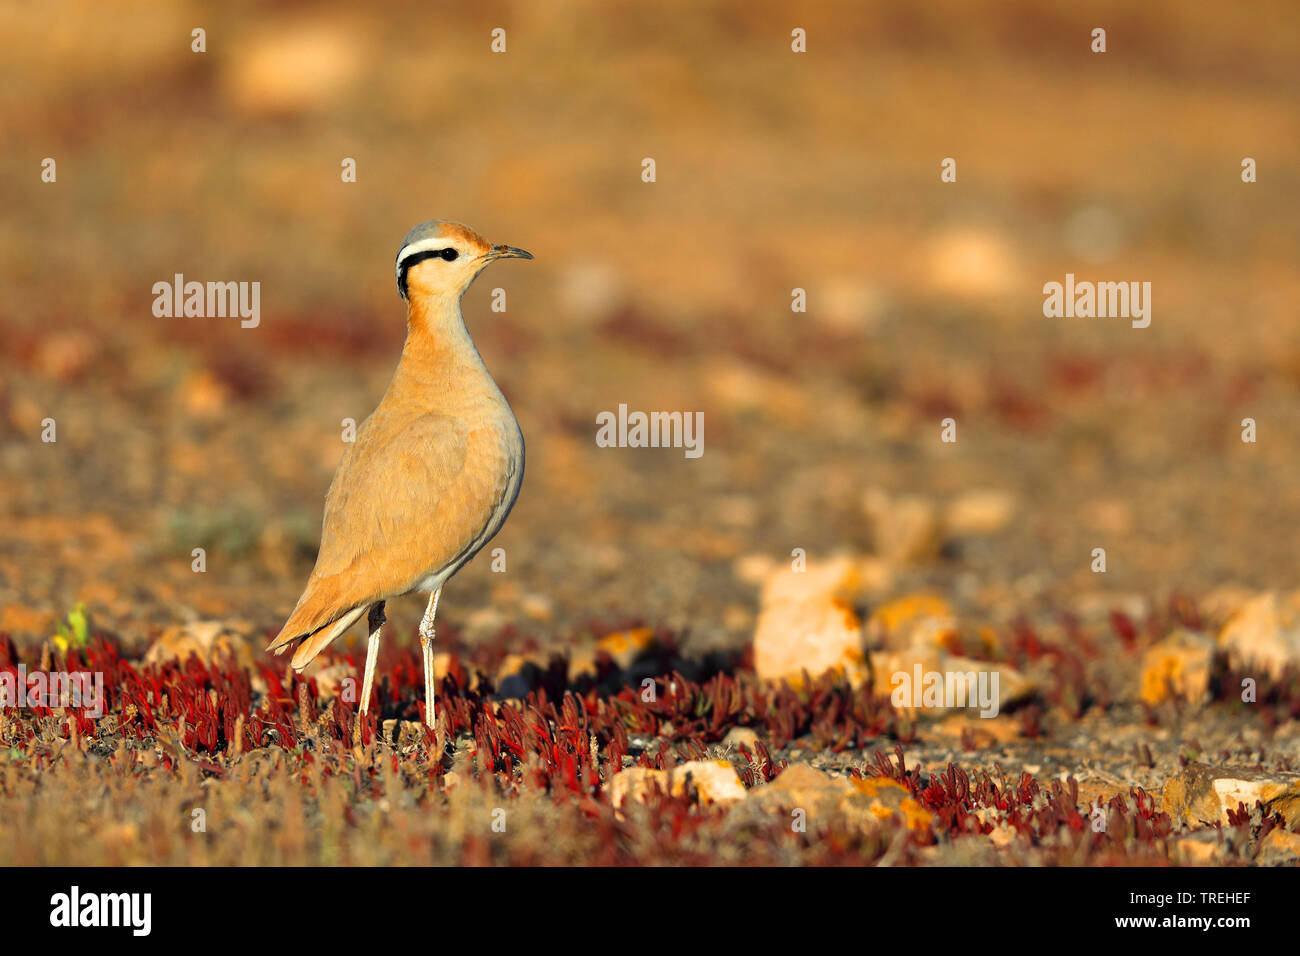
(438,351)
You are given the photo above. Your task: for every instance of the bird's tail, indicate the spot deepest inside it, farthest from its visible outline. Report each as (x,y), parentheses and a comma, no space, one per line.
(310,637)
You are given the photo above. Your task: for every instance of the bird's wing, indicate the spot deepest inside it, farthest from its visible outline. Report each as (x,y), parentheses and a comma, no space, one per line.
(387,486)
(375,536)
(409,497)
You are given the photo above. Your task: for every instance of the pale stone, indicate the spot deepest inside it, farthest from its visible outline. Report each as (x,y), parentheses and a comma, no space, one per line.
(806,622)
(636,783)
(863,802)
(582,663)
(207,639)
(1202,795)
(816,635)
(1193,851)
(889,668)
(838,576)
(1224,601)
(1178,666)
(906,528)
(979,513)
(537,607)
(969,262)
(849,304)
(1280,846)
(710,781)
(328,679)
(914,620)
(1262,633)
(738,737)
(706,781)
(294,66)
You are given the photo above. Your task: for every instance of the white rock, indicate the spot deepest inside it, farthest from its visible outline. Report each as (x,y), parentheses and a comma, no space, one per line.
(905,528)
(1181,662)
(806,622)
(1262,633)
(709,781)
(738,737)
(979,513)
(907,678)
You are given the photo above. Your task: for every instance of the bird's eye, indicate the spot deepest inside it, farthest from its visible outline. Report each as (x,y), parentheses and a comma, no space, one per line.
(449,254)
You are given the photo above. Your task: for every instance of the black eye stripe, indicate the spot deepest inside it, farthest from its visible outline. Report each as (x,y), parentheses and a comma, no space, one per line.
(415,258)
(418,257)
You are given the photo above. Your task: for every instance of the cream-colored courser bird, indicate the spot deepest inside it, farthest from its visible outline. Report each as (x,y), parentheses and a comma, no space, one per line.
(433,471)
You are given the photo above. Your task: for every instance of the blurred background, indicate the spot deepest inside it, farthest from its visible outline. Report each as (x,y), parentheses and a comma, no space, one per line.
(775,171)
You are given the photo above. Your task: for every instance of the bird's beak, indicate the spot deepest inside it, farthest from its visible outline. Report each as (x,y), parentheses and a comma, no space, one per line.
(508,252)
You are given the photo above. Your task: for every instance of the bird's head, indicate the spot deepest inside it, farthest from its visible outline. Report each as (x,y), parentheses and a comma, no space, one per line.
(440,258)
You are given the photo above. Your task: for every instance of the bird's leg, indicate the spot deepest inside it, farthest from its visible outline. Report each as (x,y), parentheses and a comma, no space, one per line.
(376,624)
(426,644)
